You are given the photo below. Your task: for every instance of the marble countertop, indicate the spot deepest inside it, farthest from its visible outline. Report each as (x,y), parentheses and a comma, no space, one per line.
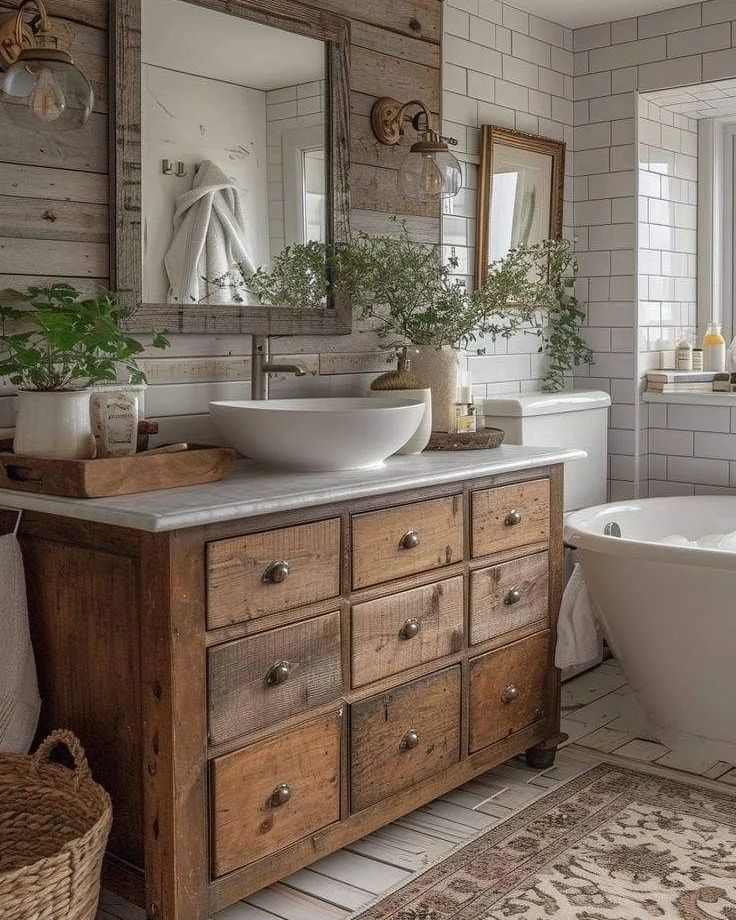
(249,490)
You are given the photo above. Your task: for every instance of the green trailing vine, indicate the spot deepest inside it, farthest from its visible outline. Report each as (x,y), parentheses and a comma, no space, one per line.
(410,297)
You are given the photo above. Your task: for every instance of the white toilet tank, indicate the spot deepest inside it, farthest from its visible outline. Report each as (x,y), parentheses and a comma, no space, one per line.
(578,418)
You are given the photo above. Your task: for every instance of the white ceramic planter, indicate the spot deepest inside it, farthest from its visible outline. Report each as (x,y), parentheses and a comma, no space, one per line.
(439,369)
(54,425)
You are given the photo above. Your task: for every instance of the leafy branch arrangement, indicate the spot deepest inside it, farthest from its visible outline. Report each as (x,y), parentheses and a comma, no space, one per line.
(62,341)
(412,298)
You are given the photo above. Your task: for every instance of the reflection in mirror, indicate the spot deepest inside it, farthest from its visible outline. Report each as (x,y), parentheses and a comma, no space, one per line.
(234,152)
(521,192)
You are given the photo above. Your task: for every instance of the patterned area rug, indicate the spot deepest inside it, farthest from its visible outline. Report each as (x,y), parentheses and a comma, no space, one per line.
(610,845)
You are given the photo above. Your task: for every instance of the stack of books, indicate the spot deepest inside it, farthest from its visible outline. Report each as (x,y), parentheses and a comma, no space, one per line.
(667,381)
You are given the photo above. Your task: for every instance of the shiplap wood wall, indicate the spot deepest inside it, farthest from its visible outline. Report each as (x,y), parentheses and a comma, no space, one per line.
(54,208)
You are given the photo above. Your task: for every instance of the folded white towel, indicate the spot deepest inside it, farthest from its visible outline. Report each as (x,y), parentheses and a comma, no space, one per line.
(209,243)
(19,700)
(578,638)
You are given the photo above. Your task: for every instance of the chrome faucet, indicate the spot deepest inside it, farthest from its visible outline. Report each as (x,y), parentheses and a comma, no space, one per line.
(262,368)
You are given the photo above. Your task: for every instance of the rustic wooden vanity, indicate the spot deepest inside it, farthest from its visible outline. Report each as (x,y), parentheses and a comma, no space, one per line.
(267,668)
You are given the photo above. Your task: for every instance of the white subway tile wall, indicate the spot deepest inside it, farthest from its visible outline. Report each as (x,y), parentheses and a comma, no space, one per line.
(502,66)
(612,63)
(692,449)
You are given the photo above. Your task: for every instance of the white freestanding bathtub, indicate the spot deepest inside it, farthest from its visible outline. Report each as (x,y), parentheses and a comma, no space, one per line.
(668,609)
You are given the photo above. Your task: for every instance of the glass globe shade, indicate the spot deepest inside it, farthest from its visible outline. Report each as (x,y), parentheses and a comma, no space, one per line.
(48,90)
(430,174)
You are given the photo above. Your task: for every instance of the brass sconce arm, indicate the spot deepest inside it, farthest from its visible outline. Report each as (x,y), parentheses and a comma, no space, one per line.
(389,116)
(16,34)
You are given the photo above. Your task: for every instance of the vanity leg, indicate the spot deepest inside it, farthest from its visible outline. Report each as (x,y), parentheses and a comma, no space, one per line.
(542,756)
(173,661)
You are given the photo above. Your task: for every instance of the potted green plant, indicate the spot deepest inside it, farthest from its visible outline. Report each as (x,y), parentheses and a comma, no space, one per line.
(416,305)
(55,345)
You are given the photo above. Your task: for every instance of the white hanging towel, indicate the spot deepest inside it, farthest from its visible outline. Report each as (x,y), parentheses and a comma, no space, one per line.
(209,243)
(579,641)
(19,700)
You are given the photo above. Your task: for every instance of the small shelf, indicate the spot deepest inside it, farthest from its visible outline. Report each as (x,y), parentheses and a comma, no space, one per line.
(692,399)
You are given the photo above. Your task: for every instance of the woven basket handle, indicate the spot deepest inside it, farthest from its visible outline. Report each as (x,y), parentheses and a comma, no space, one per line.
(69,739)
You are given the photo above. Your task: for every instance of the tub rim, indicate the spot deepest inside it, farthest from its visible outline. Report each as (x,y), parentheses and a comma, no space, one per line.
(580,538)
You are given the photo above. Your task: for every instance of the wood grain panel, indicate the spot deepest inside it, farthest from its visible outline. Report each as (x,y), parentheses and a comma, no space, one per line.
(240,697)
(494,608)
(379,648)
(247,825)
(236,589)
(85,623)
(90,12)
(84,150)
(25,181)
(418,18)
(379,74)
(377,189)
(378,555)
(59,257)
(381,762)
(523,666)
(417,50)
(492,529)
(46,219)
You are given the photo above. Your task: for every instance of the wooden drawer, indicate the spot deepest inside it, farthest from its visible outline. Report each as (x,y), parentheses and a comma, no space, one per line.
(510,517)
(508,689)
(509,596)
(245,581)
(401,737)
(407,539)
(256,681)
(407,629)
(270,794)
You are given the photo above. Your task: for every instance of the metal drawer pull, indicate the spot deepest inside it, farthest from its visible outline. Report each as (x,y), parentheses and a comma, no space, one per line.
(410,740)
(513,597)
(510,693)
(280,795)
(410,540)
(278,673)
(410,629)
(277,572)
(512,518)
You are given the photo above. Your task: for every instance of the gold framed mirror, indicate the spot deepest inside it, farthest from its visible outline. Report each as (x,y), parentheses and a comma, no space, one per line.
(520,193)
(230,144)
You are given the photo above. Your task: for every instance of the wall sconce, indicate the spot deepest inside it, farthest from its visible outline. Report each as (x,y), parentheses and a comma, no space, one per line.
(429,170)
(41,77)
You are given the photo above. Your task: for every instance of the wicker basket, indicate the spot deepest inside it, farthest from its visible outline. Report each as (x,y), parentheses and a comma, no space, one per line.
(54,824)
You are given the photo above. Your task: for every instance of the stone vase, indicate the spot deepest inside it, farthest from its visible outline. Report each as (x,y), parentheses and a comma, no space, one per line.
(439,369)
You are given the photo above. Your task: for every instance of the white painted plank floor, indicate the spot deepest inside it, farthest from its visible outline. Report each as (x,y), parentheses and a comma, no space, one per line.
(600,716)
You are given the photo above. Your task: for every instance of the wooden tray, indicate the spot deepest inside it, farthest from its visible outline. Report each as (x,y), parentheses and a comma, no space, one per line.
(482,439)
(115,475)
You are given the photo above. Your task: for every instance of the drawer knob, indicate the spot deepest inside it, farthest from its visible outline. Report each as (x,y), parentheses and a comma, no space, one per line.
(410,740)
(410,540)
(510,693)
(278,673)
(280,795)
(513,597)
(512,518)
(277,572)
(410,629)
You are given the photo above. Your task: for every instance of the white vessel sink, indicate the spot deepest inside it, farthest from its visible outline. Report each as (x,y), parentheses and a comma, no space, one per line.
(318,434)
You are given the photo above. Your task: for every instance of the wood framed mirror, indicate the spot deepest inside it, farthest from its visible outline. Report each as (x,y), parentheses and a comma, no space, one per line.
(230,141)
(520,193)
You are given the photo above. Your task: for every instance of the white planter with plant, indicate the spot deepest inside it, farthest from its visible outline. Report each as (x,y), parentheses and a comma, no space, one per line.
(54,346)
(411,299)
